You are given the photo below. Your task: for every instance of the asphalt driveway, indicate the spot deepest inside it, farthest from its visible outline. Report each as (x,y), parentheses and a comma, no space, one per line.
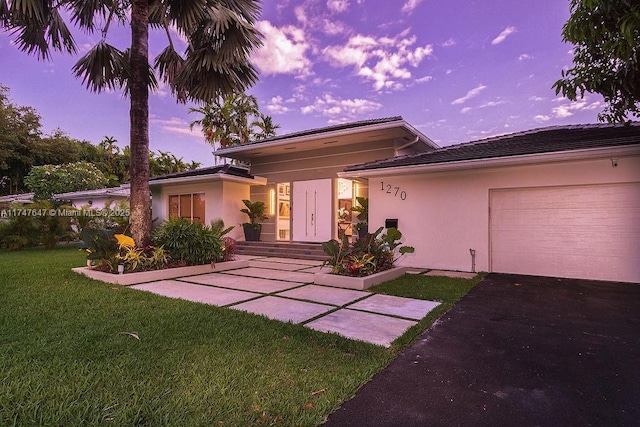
(517,350)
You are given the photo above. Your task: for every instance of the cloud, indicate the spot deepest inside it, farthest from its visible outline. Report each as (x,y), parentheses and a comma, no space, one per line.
(338,6)
(537,98)
(276,105)
(284,50)
(175,125)
(341,109)
(541,118)
(503,35)
(524,57)
(485,105)
(410,6)
(471,94)
(382,60)
(424,79)
(449,43)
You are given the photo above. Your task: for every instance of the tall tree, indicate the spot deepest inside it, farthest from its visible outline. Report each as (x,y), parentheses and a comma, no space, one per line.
(606,55)
(220,37)
(233,119)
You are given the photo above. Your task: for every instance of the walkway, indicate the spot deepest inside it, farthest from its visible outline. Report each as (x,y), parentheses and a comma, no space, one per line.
(282,289)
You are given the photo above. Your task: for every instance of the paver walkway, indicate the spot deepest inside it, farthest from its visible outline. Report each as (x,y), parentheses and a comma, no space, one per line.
(282,289)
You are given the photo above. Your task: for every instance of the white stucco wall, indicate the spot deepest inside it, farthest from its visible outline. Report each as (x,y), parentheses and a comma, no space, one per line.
(447,213)
(222,200)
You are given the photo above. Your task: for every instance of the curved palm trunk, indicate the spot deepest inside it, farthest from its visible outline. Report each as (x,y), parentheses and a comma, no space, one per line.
(140,218)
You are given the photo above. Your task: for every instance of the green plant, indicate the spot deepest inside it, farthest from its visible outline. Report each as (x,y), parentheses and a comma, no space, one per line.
(100,245)
(362,209)
(138,259)
(255,211)
(372,254)
(191,243)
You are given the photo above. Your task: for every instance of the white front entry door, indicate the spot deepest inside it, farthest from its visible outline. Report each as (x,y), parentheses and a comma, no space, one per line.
(311,210)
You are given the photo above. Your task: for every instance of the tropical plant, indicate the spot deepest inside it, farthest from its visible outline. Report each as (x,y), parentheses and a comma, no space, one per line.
(100,245)
(255,211)
(220,37)
(191,243)
(40,223)
(606,56)
(362,209)
(374,253)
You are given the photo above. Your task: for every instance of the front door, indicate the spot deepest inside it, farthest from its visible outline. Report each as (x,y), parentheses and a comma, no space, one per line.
(311,209)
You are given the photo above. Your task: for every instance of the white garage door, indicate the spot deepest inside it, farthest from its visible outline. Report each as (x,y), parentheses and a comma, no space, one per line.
(589,232)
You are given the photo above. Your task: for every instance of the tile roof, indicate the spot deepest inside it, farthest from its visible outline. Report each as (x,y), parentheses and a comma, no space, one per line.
(213,170)
(535,141)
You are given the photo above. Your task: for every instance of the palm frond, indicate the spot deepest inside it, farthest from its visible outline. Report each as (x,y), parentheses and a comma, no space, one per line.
(186,15)
(169,64)
(85,12)
(103,67)
(59,35)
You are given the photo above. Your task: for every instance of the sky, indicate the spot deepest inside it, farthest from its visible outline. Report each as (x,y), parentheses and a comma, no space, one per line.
(457,70)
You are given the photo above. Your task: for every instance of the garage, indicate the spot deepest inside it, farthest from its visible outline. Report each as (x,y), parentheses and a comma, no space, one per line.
(587,231)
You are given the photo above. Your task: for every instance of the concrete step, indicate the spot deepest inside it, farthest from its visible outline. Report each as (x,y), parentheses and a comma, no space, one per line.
(310,251)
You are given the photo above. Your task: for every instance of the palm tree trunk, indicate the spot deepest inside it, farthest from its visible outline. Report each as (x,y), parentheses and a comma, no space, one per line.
(140,219)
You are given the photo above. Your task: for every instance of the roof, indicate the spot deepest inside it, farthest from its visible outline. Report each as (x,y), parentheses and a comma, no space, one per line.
(122,191)
(536,141)
(342,134)
(225,172)
(17,198)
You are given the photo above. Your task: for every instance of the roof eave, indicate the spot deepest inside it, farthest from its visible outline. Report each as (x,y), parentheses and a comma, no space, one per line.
(227,152)
(549,157)
(256,180)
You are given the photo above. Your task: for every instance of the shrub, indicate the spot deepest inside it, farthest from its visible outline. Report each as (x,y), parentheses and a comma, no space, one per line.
(372,254)
(192,243)
(35,224)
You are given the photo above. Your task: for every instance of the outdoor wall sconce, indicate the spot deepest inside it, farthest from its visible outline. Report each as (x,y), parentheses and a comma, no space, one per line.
(614,162)
(272,202)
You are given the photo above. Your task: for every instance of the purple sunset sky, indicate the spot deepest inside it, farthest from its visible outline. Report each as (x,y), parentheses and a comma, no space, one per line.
(457,70)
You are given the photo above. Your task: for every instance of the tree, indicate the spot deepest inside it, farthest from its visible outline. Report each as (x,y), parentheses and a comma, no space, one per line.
(19,131)
(225,121)
(220,36)
(47,180)
(606,39)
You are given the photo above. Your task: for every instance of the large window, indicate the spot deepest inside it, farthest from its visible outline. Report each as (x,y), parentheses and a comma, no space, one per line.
(188,206)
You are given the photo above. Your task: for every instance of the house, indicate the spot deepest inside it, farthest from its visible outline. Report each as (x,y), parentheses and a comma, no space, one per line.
(559,201)
(95,199)
(205,194)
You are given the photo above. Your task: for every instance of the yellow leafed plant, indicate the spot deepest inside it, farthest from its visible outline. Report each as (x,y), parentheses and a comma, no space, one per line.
(125,241)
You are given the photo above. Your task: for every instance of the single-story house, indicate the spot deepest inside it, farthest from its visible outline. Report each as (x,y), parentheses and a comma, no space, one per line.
(560,201)
(95,199)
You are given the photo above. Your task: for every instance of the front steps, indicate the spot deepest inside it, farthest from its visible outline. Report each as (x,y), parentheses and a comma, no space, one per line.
(310,251)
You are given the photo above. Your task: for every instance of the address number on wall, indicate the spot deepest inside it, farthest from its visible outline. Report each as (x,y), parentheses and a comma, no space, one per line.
(391,189)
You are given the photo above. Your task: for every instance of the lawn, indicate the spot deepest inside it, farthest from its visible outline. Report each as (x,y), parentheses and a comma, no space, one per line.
(75,351)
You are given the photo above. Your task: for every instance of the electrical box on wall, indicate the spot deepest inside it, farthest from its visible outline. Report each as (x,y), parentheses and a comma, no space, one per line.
(391,223)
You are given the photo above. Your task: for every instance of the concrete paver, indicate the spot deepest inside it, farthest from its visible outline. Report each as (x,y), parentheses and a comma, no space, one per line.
(251,284)
(324,294)
(290,276)
(396,306)
(369,327)
(276,265)
(195,293)
(293,261)
(283,309)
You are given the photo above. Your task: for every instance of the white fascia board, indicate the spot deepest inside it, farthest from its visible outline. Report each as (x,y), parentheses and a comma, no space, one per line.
(332,134)
(527,159)
(256,180)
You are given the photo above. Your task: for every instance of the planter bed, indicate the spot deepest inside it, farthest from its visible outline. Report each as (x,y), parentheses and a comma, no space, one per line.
(359,283)
(150,276)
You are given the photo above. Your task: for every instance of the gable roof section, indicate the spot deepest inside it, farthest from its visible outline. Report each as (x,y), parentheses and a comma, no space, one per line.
(122,191)
(339,134)
(540,141)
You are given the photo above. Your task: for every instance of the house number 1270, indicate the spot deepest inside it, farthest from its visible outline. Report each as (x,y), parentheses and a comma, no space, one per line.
(390,189)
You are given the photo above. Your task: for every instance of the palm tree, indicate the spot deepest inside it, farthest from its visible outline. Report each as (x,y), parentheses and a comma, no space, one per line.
(220,36)
(267,128)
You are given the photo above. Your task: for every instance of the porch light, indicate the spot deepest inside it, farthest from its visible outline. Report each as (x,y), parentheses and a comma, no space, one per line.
(272,202)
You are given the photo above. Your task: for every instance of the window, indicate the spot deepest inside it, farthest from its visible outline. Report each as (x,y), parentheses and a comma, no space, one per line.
(188,206)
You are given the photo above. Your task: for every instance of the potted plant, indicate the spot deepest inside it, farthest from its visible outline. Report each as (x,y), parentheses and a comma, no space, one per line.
(255,211)
(362,209)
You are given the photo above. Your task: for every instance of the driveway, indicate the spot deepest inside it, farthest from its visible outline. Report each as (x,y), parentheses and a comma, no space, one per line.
(517,350)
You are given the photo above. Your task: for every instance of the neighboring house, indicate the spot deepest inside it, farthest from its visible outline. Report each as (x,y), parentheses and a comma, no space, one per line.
(95,199)
(23,198)
(203,195)
(560,201)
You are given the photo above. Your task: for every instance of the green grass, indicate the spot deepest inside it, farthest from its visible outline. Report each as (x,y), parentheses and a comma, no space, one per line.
(69,353)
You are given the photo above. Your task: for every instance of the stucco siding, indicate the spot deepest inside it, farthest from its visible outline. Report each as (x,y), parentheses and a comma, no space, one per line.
(445,214)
